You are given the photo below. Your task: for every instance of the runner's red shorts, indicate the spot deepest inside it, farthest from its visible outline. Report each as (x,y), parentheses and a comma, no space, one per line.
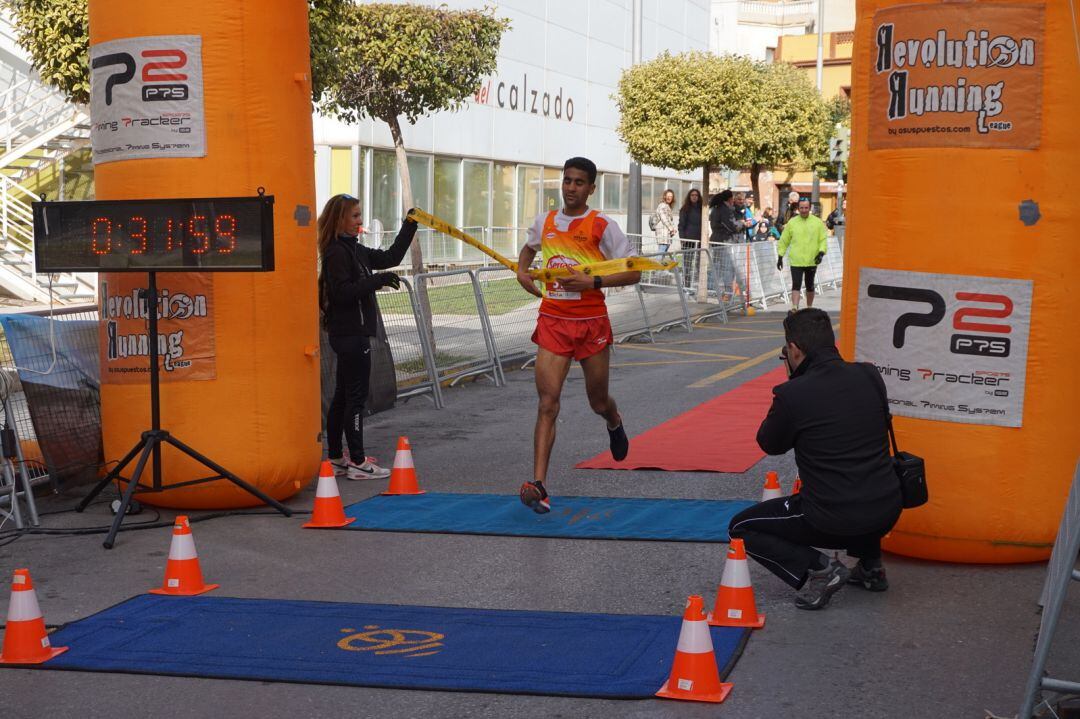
(579,339)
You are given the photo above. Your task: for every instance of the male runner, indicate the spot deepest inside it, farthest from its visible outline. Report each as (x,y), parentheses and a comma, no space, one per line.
(573,322)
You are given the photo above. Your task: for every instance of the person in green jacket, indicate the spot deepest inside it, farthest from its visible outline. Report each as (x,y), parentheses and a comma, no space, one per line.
(807,239)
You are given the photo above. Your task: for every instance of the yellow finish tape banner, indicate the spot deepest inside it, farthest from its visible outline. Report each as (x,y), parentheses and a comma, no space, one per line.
(595,269)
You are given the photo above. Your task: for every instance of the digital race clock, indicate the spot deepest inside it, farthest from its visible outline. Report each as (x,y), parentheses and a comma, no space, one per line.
(213,234)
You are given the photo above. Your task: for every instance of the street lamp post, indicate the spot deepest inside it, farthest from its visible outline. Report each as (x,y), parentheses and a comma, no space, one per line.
(815,193)
(633,203)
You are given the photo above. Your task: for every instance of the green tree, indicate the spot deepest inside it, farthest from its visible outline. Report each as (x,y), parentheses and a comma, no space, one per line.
(56,35)
(406,61)
(795,123)
(839,108)
(689,111)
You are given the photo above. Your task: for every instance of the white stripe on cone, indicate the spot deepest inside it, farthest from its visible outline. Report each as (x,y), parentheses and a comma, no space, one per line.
(182,547)
(771,494)
(736,574)
(23,607)
(327,487)
(403,459)
(695,638)
(19,579)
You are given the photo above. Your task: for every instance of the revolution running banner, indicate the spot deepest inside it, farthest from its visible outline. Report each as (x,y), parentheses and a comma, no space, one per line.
(949,347)
(957,75)
(186,348)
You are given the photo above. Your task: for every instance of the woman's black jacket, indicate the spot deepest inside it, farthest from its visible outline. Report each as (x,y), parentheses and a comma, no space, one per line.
(347,284)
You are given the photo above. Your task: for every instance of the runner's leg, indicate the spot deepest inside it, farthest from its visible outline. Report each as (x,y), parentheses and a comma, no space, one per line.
(596,387)
(550,370)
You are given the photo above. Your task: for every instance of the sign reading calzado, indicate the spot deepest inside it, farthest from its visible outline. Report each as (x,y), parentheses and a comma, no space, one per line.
(957,75)
(146,98)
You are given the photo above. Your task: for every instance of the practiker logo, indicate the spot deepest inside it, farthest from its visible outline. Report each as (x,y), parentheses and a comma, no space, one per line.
(988,343)
(161,73)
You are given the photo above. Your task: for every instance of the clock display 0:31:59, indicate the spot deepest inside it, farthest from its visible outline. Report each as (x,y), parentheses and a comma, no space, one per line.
(144,234)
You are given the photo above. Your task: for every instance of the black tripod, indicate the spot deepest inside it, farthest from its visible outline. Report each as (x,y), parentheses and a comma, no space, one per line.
(149,445)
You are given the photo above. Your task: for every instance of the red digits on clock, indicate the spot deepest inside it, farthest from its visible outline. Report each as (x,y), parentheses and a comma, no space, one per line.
(225,229)
(170,240)
(197,229)
(101,236)
(138,232)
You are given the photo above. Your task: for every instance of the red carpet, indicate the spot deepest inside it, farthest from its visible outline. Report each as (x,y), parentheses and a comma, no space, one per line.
(716,436)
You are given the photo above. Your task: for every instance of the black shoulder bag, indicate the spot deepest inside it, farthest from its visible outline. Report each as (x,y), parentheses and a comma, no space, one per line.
(910,470)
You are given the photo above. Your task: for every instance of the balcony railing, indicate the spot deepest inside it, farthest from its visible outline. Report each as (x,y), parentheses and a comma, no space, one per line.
(781,14)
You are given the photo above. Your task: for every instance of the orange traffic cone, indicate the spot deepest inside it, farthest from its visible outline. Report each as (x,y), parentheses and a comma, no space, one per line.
(797,486)
(772,487)
(403,475)
(25,640)
(735,605)
(183,578)
(328,511)
(694,676)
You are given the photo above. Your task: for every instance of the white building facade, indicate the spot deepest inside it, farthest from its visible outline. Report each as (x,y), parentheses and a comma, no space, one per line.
(497,162)
(753,27)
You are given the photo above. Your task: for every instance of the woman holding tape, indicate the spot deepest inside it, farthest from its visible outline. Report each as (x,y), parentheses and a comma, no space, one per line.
(347,284)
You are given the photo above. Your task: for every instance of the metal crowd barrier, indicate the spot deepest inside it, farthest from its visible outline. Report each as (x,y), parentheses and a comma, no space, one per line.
(414,360)
(462,334)
(511,314)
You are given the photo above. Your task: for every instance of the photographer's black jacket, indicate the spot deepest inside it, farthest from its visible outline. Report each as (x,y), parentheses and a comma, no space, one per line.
(347,286)
(832,415)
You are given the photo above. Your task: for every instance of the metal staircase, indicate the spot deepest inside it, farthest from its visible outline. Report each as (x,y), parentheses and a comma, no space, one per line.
(38,130)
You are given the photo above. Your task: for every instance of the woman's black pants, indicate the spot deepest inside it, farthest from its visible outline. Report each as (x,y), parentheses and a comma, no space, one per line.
(346,413)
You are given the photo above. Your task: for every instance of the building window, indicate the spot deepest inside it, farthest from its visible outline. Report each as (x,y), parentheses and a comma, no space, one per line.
(477,193)
(502,190)
(384,191)
(341,176)
(528,194)
(648,201)
(613,198)
(447,185)
(552,197)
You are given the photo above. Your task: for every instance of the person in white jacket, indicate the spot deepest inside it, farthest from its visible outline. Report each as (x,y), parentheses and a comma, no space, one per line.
(667,223)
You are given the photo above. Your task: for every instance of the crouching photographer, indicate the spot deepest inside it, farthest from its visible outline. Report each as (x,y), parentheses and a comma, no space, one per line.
(834,415)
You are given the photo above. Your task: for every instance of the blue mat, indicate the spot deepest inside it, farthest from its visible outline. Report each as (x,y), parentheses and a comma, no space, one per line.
(378,645)
(673,520)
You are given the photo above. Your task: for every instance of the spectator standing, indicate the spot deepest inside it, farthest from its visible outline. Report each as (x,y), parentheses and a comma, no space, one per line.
(723,220)
(837,217)
(667,229)
(690,217)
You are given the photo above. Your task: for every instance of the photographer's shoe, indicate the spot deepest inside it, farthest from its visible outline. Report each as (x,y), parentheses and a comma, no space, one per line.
(872,580)
(821,585)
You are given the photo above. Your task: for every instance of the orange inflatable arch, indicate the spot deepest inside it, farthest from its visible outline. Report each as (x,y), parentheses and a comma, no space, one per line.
(256,409)
(959,252)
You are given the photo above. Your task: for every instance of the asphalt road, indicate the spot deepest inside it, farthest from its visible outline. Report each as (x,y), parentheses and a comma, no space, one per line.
(945,641)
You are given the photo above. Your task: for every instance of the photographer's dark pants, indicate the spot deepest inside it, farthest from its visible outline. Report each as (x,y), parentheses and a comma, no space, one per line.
(346,413)
(778,536)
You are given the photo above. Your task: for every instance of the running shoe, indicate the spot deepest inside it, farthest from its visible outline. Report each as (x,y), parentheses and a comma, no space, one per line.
(618,442)
(534,496)
(821,585)
(872,580)
(367,470)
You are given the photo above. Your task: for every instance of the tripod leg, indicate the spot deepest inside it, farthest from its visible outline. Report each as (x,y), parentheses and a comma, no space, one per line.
(114,474)
(229,475)
(133,483)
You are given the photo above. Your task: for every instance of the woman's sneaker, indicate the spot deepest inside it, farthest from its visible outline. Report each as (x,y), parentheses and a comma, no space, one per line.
(872,580)
(367,470)
(535,497)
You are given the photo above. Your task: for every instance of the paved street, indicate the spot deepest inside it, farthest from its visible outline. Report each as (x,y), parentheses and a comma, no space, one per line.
(946,641)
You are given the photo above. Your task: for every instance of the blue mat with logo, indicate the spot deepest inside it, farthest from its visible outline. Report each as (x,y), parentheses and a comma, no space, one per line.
(672,520)
(380,645)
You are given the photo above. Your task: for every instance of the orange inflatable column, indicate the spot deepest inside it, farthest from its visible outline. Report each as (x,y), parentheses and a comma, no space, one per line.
(246,393)
(959,250)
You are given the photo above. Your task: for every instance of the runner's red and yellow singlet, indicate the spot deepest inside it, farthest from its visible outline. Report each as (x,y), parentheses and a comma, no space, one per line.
(578,245)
